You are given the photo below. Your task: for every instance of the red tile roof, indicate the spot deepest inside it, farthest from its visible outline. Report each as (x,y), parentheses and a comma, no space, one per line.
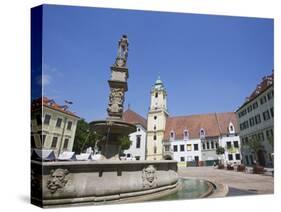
(134,118)
(45,101)
(267,81)
(214,124)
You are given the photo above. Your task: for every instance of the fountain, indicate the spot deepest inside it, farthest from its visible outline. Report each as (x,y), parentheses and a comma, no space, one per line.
(109,180)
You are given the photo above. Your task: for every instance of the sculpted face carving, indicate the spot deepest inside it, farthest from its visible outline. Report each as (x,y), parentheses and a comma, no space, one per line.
(149,177)
(57,179)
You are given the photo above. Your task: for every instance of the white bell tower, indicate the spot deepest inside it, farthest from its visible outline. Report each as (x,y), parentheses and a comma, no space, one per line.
(156,121)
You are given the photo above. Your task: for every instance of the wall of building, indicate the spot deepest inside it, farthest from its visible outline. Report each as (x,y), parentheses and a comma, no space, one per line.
(134,150)
(50,130)
(261,129)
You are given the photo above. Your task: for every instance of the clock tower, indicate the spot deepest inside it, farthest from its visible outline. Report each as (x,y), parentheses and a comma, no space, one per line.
(156,121)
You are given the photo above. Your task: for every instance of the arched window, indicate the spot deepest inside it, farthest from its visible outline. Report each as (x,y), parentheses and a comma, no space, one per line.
(155,117)
(202,133)
(154,137)
(172,135)
(231,128)
(185,134)
(156,94)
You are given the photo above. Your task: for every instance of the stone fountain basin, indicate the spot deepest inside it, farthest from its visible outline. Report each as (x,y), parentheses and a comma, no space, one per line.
(96,182)
(113,127)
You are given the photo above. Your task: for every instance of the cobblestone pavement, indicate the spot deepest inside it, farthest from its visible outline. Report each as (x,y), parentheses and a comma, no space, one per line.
(247,182)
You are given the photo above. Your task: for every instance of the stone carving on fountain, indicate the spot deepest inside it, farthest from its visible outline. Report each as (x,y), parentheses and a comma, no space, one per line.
(149,177)
(57,179)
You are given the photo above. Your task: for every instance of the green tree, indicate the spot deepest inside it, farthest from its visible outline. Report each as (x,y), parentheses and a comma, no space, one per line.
(84,137)
(220,151)
(255,145)
(125,142)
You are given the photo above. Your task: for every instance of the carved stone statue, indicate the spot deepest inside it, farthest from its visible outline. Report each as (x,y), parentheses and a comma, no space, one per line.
(116,100)
(122,55)
(57,179)
(149,177)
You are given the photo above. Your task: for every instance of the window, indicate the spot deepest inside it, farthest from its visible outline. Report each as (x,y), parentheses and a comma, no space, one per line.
(217,145)
(167,148)
(154,127)
(137,157)
(58,124)
(38,119)
(212,145)
(65,144)
(175,148)
(250,108)
(255,105)
(263,100)
(172,135)
(185,135)
(69,125)
(138,143)
(47,119)
(208,145)
(266,115)
(155,149)
(271,112)
(182,159)
(237,156)
(138,129)
(252,121)
(32,142)
(188,147)
(204,146)
(261,136)
(236,144)
(43,138)
(247,159)
(258,119)
(155,117)
(154,137)
(54,142)
(270,95)
(195,146)
(156,95)
(228,144)
(230,157)
(182,148)
(269,133)
(202,133)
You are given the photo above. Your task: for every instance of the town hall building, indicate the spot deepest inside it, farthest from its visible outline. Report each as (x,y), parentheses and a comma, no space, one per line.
(188,139)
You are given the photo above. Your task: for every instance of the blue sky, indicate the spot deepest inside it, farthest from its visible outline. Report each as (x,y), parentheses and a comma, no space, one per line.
(207,63)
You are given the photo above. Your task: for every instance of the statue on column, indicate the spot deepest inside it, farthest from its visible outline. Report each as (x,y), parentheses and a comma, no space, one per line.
(122,55)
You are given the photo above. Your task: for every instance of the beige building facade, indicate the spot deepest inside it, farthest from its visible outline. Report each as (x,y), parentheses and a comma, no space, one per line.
(53,127)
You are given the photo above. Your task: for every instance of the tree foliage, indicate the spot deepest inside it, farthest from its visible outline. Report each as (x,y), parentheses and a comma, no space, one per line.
(84,137)
(220,150)
(255,145)
(125,142)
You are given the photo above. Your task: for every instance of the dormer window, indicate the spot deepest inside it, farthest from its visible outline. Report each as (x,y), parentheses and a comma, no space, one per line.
(185,135)
(172,135)
(231,128)
(202,133)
